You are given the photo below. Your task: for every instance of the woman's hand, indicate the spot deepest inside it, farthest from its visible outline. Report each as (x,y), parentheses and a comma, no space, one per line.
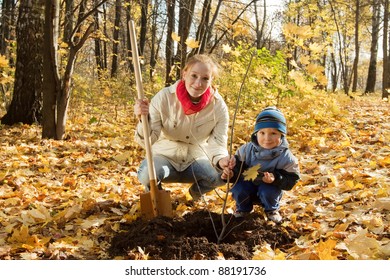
(227,164)
(141,107)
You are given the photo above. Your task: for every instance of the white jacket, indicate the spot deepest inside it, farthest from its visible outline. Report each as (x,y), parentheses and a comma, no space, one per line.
(183,138)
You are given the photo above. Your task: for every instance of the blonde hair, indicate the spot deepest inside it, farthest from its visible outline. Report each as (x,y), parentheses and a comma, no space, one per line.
(205,59)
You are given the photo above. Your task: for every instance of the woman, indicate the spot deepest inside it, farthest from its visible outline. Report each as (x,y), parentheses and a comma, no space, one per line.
(188,127)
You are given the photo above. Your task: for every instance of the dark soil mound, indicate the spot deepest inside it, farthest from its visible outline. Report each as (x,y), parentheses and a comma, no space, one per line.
(195,236)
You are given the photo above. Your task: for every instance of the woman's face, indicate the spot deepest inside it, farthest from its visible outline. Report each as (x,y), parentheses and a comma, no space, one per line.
(269,138)
(197,79)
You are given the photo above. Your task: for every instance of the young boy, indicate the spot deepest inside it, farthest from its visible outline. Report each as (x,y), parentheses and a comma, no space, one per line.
(278,167)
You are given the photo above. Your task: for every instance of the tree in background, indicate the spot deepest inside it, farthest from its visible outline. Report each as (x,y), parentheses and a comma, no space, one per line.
(115,39)
(372,68)
(260,42)
(322,45)
(100,43)
(7,41)
(386,52)
(186,12)
(7,23)
(58,80)
(26,101)
(169,47)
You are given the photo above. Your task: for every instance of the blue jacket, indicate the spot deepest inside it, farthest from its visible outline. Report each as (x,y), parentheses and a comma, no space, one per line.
(279,161)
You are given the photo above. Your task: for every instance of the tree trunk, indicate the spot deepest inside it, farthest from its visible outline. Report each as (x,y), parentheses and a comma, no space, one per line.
(7,21)
(26,104)
(342,52)
(210,28)
(169,46)
(115,52)
(334,72)
(185,19)
(357,47)
(144,26)
(202,28)
(386,60)
(68,20)
(51,77)
(260,30)
(98,48)
(105,48)
(153,45)
(371,76)
(56,93)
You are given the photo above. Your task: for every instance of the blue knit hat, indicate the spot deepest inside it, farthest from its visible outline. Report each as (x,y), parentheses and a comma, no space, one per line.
(271,117)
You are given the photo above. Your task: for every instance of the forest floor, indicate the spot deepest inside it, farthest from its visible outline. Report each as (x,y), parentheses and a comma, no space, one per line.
(79,198)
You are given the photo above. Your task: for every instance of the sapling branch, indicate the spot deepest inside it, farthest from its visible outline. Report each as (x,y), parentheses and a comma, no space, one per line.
(224,224)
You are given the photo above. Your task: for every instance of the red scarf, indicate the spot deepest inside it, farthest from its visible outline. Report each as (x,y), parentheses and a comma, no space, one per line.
(184,98)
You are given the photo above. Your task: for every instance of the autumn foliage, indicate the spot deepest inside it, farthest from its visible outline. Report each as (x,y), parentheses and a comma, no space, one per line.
(67,199)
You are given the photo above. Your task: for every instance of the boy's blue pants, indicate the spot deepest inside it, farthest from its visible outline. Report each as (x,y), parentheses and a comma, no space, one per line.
(245,193)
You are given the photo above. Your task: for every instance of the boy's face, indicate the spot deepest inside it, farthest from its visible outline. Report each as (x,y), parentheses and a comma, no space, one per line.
(269,138)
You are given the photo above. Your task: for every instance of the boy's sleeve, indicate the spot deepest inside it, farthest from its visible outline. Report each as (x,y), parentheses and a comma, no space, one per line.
(285,180)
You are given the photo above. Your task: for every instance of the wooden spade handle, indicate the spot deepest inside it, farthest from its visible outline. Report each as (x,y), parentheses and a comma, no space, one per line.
(144,118)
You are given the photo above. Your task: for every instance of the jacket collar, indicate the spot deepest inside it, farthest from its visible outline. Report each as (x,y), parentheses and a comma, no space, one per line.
(270,153)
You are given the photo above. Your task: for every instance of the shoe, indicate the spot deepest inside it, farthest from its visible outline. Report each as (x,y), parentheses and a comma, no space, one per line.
(274,216)
(240,214)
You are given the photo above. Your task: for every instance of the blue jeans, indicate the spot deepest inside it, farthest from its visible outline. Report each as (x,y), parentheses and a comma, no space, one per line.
(245,193)
(203,176)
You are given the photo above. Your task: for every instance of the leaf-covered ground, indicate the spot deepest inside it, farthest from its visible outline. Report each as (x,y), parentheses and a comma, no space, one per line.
(79,198)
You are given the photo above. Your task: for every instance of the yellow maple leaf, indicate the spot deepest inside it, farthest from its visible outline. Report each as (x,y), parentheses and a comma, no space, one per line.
(384,162)
(92,222)
(175,37)
(45,169)
(3,61)
(251,173)
(192,43)
(226,48)
(315,70)
(290,29)
(316,48)
(325,249)
(304,59)
(304,31)
(3,174)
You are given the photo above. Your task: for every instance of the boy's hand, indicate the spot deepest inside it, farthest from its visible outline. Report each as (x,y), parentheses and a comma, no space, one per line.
(268,177)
